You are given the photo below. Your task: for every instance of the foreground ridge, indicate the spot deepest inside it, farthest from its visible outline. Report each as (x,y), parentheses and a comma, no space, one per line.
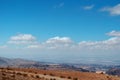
(37,74)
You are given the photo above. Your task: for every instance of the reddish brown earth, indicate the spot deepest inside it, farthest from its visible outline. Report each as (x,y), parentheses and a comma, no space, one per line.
(35,74)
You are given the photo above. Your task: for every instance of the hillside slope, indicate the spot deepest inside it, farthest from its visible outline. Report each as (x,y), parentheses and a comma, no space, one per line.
(35,74)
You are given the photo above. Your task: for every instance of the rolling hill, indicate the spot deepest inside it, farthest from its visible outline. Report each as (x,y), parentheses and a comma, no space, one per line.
(37,74)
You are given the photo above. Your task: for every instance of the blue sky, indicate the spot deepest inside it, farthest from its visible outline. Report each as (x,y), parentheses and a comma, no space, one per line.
(44,23)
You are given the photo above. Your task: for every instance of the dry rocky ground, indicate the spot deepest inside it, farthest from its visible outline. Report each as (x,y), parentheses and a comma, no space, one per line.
(35,74)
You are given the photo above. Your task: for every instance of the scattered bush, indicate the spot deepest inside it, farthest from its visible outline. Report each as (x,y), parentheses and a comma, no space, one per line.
(52,74)
(19,73)
(25,75)
(37,76)
(69,77)
(32,76)
(44,74)
(52,79)
(75,78)
(62,76)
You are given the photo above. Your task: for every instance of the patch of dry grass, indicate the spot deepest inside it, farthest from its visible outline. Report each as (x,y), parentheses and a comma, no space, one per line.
(35,74)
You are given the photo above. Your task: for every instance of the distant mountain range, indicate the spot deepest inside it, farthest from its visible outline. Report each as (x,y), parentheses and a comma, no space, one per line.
(114,71)
(4,62)
(21,63)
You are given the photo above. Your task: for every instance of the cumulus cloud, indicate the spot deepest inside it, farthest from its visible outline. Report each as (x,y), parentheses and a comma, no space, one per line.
(62,43)
(27,37)
(54,43)
(34,46)
(115,10)
(112,43)
(88,7)
(114,33)
(58,42)
(63,47)
(22,39)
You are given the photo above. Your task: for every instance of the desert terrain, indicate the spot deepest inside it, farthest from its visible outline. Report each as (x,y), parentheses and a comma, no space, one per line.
(37,74)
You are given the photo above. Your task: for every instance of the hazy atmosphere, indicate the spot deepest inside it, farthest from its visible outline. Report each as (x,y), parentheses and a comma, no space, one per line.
(61,31)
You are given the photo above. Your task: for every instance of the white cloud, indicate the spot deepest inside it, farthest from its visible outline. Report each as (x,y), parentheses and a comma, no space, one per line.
(62,43)
(58,42)
(22,39)
(111,43)
(60,5)
(114,33)
(88,7)
(53,43)
(115,10)
(34,46)
(63,48)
